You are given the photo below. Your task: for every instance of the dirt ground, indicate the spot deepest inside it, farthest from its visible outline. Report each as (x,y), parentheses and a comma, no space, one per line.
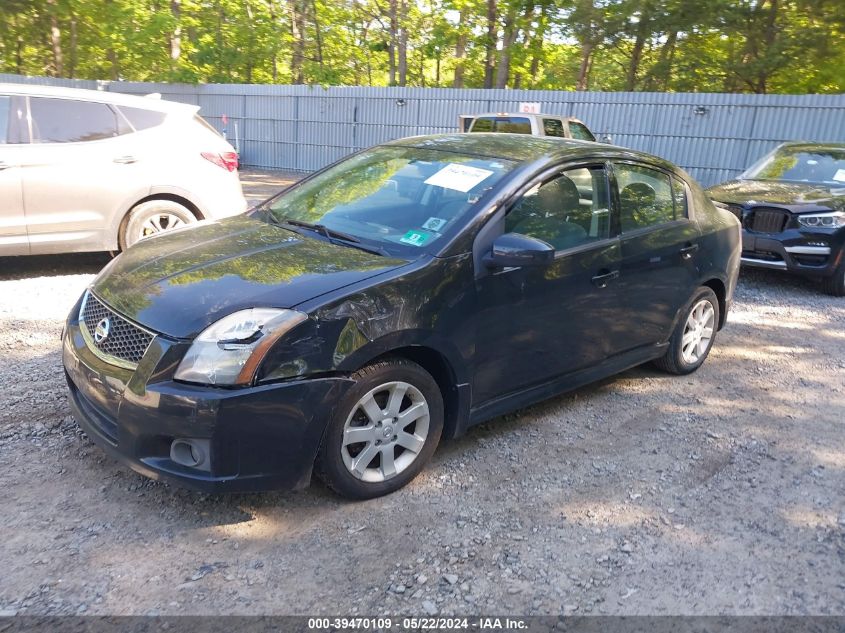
(717,493)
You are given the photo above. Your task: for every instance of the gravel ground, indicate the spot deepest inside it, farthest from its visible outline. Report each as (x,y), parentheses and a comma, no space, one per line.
(721,492)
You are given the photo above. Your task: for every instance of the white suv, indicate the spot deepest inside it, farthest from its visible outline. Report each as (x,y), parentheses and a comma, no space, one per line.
(84,170)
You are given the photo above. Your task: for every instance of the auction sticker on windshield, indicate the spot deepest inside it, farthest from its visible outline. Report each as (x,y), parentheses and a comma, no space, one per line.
(458,177)
(415,238)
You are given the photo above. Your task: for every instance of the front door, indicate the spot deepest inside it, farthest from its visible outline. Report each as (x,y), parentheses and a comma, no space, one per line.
(13,237)
(539,323)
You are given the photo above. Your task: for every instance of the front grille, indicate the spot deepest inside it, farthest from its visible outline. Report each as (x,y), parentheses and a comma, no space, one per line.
(736,209)
(764,220)
(124,341)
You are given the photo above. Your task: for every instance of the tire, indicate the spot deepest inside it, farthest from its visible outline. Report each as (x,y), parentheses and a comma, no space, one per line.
(835,284)
(700,320)
(152,217)
(361,470)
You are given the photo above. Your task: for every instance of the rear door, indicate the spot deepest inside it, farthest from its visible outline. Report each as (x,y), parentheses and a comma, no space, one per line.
(660,251)
(79,171)
(13,237)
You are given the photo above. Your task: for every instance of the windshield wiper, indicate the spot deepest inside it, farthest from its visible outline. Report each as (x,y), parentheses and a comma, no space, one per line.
(332,235)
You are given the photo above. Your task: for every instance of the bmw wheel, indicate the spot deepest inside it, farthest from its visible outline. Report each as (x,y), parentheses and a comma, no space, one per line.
(835,284)
(384,430)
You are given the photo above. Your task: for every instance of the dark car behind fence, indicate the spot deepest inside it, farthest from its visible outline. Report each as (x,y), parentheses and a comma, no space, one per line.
(302,128)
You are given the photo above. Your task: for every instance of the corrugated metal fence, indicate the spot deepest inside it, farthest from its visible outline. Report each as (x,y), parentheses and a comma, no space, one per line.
(302,128)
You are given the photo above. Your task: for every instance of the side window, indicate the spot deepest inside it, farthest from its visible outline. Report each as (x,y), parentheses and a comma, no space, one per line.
(679,193)
(569,210)
(579,131)
(646,197)
(6,120)
(142,119)
(69,121)
(553,127)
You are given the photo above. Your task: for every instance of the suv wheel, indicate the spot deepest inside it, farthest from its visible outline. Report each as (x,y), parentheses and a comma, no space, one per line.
(835,284)
(383,432)
(694,335)
(151,218)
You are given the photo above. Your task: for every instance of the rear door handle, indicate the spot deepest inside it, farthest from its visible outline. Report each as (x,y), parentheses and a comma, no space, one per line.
(601,280)
(125,160)
(689,250)
(4,166)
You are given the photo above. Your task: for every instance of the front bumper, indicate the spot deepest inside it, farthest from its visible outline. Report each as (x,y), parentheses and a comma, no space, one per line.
(258,438)
(794,250)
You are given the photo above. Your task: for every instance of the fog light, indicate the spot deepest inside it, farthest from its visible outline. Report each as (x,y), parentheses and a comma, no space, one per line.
(190,453)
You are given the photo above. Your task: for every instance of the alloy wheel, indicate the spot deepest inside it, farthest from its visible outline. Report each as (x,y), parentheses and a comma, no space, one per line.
(385,431)
(160,222)
(698,332)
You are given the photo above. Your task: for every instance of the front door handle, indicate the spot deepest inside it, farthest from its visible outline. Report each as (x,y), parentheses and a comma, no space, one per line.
(4,165)
(604,277)
(125,160)
(689,250)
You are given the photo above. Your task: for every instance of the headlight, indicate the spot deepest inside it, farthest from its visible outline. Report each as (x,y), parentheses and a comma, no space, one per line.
(230,351)
(832,220)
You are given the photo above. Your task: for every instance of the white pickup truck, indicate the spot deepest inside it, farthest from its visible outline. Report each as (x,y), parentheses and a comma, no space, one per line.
(526,123)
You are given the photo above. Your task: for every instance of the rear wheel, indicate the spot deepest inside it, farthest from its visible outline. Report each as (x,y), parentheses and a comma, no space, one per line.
(835,284)
(384,430)
(694,335)
(151,218)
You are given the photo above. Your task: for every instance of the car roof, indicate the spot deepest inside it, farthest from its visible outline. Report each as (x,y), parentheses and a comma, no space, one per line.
(524,147)
(115,98)
(525,114)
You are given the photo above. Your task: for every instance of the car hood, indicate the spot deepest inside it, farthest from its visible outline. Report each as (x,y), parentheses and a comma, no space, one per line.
(788,194)
(181,282)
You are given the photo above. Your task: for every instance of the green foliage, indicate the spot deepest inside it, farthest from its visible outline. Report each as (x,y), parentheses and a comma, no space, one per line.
(786,46)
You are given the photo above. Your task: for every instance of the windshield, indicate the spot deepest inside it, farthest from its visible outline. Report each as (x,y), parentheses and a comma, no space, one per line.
(823,165)
(398,198)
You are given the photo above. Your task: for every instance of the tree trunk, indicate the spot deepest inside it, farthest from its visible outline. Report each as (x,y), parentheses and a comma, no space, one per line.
(318,36)
(536,44)
(460,53)
(176,35)
(391,44)
(402,42)
(297,30)
(490,42)
(637,52)
(73,48)
(584,69)
(55,39)
(504,67)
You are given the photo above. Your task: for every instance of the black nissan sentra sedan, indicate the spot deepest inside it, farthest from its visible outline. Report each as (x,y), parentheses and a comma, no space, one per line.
(792,207)
(400,296)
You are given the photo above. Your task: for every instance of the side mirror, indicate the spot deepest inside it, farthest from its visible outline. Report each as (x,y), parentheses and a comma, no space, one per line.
(515,249)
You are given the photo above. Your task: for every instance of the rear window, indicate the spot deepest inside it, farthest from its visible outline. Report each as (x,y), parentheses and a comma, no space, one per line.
(141,118)
(506,124)
(70,121)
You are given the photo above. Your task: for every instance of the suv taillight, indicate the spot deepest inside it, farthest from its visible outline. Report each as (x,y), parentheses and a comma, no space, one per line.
(226,160)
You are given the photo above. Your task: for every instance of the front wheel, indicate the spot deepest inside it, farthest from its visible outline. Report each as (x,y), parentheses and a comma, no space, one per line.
(694,335)
(383,432)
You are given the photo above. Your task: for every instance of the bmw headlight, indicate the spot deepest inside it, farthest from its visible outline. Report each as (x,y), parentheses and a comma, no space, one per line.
(831,220)
(229,352)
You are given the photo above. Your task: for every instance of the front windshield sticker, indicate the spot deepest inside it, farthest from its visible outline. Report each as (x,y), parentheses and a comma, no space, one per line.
(839,176)
(415,238)
(458,177)
(434,224)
